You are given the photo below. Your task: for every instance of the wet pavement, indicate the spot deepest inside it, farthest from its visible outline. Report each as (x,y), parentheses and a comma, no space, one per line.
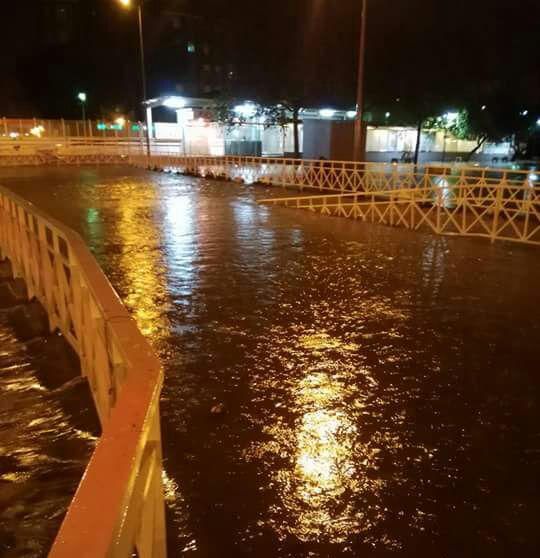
(332,388)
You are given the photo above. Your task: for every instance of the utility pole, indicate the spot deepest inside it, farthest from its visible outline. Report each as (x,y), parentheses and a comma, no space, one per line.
(127,4)
(359,140)
(143,77)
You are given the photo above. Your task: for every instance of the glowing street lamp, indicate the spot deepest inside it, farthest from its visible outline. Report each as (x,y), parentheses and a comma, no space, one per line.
(82,99)
(127,4)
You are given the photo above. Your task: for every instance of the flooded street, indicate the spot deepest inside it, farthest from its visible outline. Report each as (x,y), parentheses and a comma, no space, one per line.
(332,388)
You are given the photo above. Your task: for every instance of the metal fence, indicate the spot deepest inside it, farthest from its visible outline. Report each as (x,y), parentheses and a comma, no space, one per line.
(495,211)
(118,507)
(498,204)
(336,176)
(21,128)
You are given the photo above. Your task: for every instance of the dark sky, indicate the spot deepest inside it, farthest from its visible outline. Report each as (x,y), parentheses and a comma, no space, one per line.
(415,48)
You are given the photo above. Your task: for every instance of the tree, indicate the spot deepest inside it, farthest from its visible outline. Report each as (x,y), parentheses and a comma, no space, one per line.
(282,114)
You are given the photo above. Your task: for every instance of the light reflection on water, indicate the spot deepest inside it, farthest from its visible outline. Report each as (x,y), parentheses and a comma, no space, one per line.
(378,387)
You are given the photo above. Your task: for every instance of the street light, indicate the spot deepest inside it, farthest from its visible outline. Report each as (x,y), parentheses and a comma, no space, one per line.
(82,99)
(358,126)
(127,4)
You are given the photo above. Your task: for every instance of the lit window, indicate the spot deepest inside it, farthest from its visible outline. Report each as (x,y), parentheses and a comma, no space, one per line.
(191,48)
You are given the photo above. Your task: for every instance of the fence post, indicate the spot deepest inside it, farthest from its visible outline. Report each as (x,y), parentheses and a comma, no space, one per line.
(498,204)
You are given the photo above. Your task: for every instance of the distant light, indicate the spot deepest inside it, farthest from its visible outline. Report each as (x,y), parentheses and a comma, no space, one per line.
(387,115)
(191,47)
(247,110)
(13,135)
(327,113)
(538,122)
(533,177)
(524,112)
(82,97)
(398,99)
(174,102)
(451,117)
(351,114)
(37,131)
(185,115)
(101,126)
(125,3)
(121,121)
(484,107)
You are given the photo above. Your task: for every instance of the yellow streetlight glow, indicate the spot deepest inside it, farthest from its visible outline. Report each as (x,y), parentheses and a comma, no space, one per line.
(125,2)
(121,121)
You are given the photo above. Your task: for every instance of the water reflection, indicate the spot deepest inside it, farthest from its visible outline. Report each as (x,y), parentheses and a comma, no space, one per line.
(141,262)
(324,463)
(181,241)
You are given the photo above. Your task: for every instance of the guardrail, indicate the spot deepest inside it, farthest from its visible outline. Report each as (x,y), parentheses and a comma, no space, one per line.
(497,212)
(118,506)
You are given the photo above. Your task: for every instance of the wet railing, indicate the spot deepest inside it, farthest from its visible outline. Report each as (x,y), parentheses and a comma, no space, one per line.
(337,176)
(76,150)
(494,211)
(118,507)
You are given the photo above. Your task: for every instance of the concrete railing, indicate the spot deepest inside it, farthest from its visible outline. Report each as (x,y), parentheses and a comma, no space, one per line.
(118,506)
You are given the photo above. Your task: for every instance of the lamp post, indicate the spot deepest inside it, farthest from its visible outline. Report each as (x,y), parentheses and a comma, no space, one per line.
(358,147)
(127,4)
(82,99)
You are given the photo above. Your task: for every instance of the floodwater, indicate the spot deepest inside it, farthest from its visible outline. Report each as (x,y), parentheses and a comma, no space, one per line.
(45,439)
(376,391)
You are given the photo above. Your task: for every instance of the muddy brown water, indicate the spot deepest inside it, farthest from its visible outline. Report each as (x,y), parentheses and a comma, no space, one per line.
(378,389)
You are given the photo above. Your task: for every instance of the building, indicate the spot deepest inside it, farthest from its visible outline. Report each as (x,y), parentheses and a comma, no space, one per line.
(189,52)
(323,133)
(332,138)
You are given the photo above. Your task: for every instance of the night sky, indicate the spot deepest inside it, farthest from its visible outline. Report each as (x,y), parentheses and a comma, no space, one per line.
(416,49)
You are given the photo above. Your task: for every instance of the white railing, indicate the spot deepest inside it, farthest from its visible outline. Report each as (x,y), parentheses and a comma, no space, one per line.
(119,504)
(336,176)
(497,212)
